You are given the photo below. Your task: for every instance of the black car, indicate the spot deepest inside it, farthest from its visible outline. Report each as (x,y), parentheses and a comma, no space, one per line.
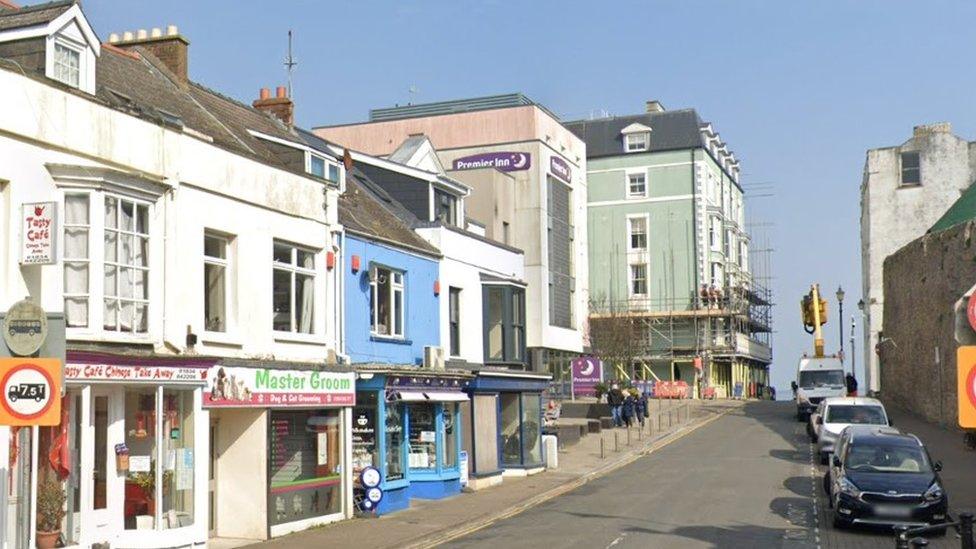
(879,476)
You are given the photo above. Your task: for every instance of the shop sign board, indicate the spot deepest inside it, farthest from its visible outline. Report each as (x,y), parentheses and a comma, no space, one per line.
(25,327)
(463,466)
(234,387)
(587,371)
(31,391)
(135,373)
(505,161)
(560,168)
(966,393)
(39,221)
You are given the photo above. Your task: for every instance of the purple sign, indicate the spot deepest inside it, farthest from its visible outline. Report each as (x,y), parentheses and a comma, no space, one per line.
(587,372)
(559,168)
(504,161)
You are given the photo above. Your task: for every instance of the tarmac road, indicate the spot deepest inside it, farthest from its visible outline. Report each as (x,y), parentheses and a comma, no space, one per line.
(745,480)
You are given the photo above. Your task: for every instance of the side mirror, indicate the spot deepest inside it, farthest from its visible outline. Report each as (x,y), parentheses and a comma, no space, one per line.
(836,461)
(937,466)
(819,420)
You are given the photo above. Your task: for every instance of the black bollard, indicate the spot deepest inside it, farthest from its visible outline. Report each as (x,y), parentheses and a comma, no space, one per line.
(901,538)
(966,531)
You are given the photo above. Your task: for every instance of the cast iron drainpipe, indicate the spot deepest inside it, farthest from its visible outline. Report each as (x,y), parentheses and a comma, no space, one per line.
(964,526)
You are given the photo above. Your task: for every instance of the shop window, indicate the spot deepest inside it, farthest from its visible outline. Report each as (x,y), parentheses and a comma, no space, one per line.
(450,435)
(531,430)
(365,450)
(520,428)
(305,465)
(423,436)
(215,282)
(454,313)
(293,288)
(510,432)
(77,270)
(58,473)
(504,310)
(159,480)
(394,444)
(386,302)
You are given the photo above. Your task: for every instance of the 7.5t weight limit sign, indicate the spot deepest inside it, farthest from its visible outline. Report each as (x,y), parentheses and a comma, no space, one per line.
(966,374)
(31,391)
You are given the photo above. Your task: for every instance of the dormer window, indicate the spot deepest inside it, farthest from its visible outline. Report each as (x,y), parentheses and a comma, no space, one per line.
(320,167)
(67,65)
(637,138)
(445,207)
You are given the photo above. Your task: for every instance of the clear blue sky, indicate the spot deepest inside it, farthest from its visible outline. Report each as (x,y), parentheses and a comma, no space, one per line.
(799,93)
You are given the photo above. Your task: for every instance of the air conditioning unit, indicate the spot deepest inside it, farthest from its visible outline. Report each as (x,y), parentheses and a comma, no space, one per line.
(434,357)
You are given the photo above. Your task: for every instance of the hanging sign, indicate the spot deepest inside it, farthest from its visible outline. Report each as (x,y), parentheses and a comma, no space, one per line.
(39,223)
(25,327)
(234,387)
(31,391)
(560,168)
(966,393)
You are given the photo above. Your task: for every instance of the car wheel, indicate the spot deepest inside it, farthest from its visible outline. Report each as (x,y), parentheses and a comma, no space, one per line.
(824,458)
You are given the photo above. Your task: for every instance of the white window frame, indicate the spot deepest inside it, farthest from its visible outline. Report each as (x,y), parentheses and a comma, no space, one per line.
(645,218)
(395,287)
(87,261)
(629,191)
(60,43)
(632,279)
(135,235)
(714,233)
(227,264)
(327,165)
(294,269)
(636,138)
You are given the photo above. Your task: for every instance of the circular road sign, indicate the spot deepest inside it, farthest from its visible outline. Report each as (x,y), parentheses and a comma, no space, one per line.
(25,327)
(374,495)
(28,391)
(971,310)
(971,386)
(370,477)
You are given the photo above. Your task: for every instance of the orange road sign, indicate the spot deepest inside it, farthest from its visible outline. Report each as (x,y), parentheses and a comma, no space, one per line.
(966,368)
(31,391)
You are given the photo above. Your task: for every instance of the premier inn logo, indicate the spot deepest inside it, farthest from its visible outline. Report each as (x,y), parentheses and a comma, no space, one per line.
(502,161)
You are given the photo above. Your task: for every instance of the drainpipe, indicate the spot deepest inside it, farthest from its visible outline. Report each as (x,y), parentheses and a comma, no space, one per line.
(340,301)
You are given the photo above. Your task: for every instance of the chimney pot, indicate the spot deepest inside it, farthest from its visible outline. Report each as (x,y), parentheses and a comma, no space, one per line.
(156,32)
(113,38)
(653,106)
(142,35)
(171,30)
(126,36)
(265,93)
(281,92)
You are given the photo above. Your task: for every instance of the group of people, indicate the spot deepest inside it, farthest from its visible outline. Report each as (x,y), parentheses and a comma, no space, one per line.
(626,407)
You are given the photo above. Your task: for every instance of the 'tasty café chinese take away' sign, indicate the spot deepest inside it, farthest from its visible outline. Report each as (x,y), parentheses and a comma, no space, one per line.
(39,223)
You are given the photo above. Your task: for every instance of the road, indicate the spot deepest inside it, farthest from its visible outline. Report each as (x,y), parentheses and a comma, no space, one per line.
(745,480)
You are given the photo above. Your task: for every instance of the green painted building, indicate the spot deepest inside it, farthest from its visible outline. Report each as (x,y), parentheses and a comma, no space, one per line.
(672,294)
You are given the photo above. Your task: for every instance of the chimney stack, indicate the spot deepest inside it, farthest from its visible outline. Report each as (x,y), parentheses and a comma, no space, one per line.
(170,47)
(653,106)
(280,106)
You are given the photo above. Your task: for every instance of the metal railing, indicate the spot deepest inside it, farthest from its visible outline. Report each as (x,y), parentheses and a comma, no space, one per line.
(911,537)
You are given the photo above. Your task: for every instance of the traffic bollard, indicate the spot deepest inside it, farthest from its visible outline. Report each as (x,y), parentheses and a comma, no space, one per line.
(616,442)
(628,436)
(920,542)
(966,530)
(901,539)
(603,453)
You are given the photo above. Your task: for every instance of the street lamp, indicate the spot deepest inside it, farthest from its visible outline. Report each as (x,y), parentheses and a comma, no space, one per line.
(840,322)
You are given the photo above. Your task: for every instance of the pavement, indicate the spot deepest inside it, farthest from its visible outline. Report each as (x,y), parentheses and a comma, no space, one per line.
(428,523)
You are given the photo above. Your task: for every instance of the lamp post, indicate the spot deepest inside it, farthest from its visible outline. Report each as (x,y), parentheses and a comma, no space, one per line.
(840,318)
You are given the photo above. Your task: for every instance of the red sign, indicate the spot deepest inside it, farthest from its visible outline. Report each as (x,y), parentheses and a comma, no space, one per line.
(966,388)
(39,237)
(31,391)
(154,374)
(971,310)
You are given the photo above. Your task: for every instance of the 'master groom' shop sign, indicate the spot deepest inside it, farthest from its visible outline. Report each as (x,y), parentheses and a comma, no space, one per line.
(503,161)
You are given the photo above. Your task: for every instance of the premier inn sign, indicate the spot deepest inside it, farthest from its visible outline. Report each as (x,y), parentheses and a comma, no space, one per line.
(233,387)
(502,161)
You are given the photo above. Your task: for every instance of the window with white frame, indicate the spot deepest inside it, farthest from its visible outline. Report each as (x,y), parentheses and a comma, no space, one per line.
(727,245)
(386,302)
(717,276)
(713,234)
(638,279)
(215,273)
(67,65)
(126,259)
(77,258)
(636,142)
(320,167)
(637,227)
(637,185)
(293,288)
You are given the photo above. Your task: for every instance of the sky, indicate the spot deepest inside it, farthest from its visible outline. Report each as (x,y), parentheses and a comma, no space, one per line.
(799,90)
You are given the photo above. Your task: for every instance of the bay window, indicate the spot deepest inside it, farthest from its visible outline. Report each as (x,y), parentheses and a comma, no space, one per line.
(293,288)
(386,302)
(77,257)
(504,323)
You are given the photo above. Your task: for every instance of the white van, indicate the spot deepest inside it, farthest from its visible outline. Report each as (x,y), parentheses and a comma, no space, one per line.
(817,379)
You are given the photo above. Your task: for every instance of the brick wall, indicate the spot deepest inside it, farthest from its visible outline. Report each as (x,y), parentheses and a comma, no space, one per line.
(922,283)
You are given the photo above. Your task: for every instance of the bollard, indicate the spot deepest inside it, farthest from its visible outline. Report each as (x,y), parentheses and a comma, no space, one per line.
(966,531)
(616,442)
(920,542)
(603,453)
(640,432)
(628,436)
(901,539)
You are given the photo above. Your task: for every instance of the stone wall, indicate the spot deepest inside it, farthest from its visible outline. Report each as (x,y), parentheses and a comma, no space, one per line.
(922,283)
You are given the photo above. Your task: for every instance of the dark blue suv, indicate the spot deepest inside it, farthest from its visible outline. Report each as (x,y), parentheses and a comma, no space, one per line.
(879,476)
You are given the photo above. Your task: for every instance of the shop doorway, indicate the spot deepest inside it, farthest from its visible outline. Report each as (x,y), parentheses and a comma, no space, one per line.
(212,481)
(103,413)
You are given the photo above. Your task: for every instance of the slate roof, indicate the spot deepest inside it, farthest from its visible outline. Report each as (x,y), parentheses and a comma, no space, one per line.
(961,211)
(670,130)
(365,209)
(30,16)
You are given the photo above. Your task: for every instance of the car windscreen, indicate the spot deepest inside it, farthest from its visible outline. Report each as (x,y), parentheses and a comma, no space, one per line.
(855,414)
(886,458)
(821,378)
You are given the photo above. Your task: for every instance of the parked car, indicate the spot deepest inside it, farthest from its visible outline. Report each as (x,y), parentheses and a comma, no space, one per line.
(836,413)
(813,424)
(878,476)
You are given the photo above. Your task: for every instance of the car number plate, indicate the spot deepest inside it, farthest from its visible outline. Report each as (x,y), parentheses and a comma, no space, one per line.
(893,511)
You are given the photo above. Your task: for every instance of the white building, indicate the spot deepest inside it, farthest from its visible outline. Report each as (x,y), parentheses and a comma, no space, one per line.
(904,191)
(192,266)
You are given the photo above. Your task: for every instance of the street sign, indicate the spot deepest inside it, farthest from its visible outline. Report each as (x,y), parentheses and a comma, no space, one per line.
(966,394)
(25,327)
(971,310)
(31,391)
(40,234)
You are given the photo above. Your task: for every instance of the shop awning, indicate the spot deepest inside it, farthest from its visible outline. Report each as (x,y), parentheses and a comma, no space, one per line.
(445,396)
(410,396)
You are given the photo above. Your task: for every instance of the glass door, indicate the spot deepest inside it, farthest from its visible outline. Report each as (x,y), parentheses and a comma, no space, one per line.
(102,461)
(211,480)
(422,418)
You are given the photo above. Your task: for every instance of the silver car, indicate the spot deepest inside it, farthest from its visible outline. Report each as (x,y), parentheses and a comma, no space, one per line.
(839,412)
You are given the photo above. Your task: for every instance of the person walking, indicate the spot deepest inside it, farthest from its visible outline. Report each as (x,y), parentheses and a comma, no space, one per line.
(640,408)
(628,409)
(615,398)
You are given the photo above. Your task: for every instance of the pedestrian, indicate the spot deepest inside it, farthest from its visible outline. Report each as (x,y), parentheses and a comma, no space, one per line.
(641,408)
(851,383)
(629,409)
(615,398)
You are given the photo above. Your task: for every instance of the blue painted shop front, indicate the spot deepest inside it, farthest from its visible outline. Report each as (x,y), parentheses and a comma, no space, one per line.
(406,424)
